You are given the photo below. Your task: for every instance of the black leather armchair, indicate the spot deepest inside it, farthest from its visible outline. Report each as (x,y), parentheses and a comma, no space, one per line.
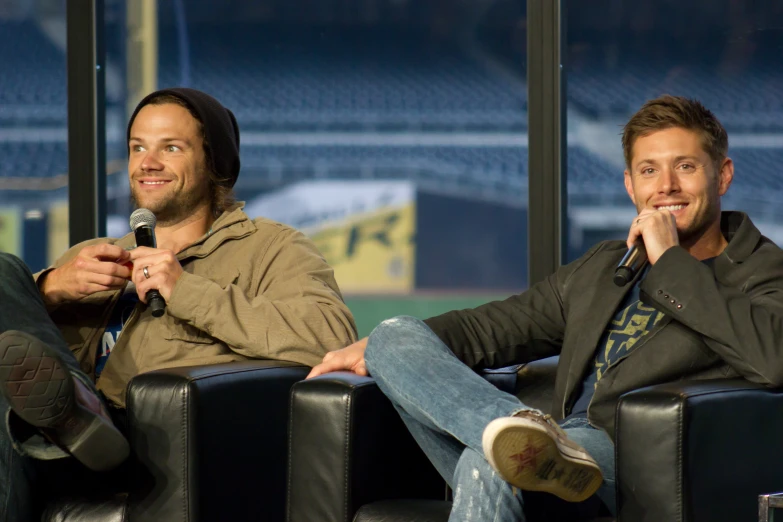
(698,451)
(208,443)
(686,452)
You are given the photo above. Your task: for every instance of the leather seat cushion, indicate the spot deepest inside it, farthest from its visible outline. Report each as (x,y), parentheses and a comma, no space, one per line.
(112,509)
(404,511)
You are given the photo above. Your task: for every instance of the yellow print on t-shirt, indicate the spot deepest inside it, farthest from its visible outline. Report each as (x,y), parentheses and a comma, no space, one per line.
(623,332)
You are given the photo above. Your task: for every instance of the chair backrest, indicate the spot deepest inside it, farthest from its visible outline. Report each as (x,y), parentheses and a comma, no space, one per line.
(535,383)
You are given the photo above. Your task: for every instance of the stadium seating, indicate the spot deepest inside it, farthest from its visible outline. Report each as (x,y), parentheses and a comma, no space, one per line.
(748,100)
(33,159)
(282,78)
(37,160)
(757,172)
(486,170)
(314,78)
(32,76)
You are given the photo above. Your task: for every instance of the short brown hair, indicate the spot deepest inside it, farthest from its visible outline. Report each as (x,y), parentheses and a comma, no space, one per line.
(668,111)
(222,196)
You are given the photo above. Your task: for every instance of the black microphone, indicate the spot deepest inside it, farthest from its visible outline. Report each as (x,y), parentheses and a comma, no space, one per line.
(631,264)
(142,222)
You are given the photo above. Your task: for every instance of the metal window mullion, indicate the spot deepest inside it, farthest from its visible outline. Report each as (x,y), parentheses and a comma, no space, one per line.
(86,62)
(546,137)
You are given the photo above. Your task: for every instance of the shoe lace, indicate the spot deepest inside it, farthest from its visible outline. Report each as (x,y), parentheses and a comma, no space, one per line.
(553,423)
(546,418)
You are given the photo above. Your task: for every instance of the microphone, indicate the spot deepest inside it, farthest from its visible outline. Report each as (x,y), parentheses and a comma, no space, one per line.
(142,222)
(631,264)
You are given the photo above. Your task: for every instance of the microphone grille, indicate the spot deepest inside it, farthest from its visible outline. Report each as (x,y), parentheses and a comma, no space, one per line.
(142,217)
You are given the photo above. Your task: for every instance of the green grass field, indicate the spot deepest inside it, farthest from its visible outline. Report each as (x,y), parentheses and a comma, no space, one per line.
(369,311)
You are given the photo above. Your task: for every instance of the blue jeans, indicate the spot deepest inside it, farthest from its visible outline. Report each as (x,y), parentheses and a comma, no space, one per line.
(446,407)
(22,477)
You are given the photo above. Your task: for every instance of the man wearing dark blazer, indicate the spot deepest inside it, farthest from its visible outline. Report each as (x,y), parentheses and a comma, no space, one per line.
(709,304)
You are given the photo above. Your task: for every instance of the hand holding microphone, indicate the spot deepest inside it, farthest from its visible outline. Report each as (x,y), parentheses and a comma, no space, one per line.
(155,271)
(631,264)
(652,233)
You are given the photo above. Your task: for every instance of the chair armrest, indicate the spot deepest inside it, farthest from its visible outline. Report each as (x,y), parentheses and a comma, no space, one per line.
(698,451)
(348,447)
(211,441)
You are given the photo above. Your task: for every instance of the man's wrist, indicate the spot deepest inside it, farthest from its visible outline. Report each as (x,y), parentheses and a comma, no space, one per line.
(48,289)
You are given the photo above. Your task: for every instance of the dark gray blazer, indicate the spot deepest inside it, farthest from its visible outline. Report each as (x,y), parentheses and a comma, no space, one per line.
(720,321)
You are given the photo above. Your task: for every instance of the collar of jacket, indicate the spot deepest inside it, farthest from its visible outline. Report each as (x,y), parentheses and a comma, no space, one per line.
(742,235)
(231,224)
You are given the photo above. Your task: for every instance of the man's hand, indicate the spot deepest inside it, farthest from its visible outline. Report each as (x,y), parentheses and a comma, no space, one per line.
(658,230)
(350,358)
(96,268)
(162,267)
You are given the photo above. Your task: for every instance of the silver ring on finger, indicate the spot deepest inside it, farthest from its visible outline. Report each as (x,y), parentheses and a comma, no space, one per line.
(146,272)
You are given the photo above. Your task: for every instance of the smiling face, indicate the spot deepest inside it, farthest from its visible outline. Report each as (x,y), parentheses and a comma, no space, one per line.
(669,169)
(166,164)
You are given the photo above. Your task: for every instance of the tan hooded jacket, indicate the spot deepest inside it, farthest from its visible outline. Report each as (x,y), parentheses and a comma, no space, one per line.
(251,289)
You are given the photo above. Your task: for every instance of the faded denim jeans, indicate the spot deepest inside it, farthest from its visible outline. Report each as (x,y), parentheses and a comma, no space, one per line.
(446,407)
(22,476)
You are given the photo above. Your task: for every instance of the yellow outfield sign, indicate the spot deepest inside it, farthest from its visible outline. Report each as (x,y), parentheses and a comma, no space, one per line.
(58,231)
(10,231)
(364,228)
(373,252)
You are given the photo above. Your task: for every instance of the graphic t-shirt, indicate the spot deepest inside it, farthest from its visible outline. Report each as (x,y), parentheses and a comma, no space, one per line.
(632,321)
(119,316)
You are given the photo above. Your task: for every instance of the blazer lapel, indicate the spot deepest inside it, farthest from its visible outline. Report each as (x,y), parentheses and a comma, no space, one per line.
(598,310)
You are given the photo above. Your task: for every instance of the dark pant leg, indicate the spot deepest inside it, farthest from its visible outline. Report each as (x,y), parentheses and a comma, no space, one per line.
(23,309)
(24,479)
(28,486)
(17,478)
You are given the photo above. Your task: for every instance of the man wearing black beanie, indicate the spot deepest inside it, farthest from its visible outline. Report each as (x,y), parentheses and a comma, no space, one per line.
(234,289)
(219,131)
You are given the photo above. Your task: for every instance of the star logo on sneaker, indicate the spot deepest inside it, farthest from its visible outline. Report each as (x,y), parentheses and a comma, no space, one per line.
(527,458)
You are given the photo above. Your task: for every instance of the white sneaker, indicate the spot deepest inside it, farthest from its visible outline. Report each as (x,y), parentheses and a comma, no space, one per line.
(530,451)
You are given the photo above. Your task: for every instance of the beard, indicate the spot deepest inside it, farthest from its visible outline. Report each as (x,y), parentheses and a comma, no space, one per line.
(700,225)
(176,206)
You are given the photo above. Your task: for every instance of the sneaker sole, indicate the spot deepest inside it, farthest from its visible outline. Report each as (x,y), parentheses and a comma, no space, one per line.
(34,381)
(526,456)
(40,391)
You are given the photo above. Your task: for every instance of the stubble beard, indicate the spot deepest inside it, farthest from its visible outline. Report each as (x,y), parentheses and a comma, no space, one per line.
(177,206)
(699,226)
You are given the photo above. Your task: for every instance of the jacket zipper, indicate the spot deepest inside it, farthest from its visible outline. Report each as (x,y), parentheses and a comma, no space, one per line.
(134,314)
(98,334)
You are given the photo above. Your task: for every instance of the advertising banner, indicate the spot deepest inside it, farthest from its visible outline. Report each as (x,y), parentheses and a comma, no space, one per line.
(10,231)
(364,229)
(58,230)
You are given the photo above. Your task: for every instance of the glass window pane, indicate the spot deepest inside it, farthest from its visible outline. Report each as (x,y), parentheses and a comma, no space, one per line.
(33,132)
(725,53)
(393,132)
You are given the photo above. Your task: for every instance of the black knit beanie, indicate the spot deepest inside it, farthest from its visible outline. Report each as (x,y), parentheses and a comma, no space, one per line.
(220,129)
